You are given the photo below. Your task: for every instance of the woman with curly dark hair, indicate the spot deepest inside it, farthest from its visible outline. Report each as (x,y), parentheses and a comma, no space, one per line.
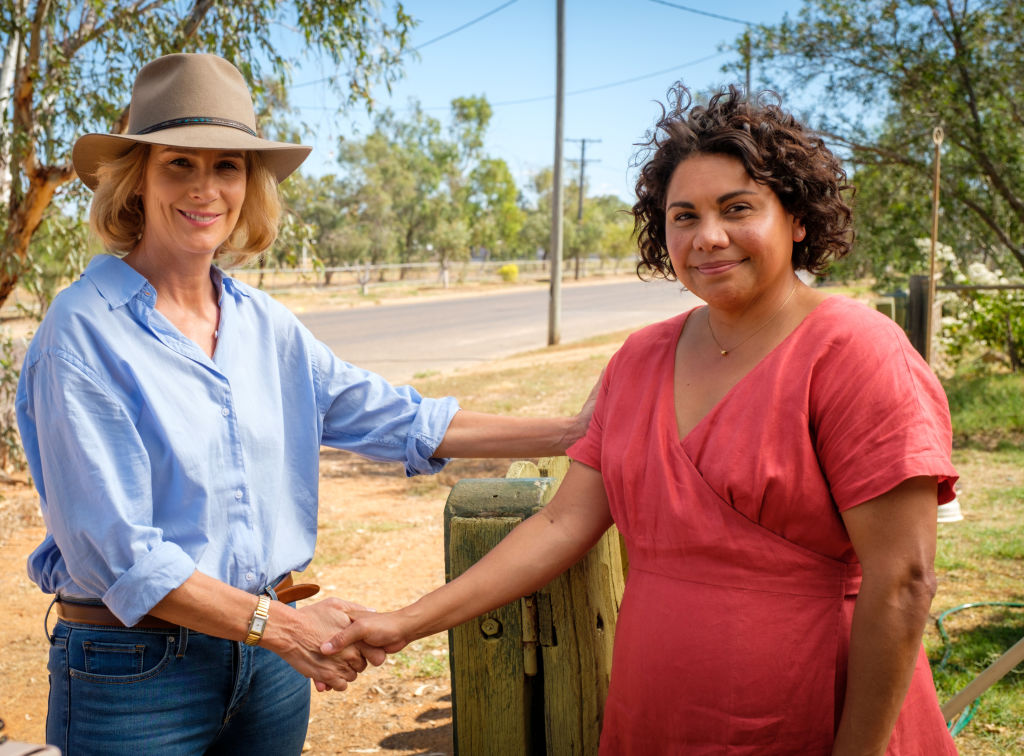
(773,460)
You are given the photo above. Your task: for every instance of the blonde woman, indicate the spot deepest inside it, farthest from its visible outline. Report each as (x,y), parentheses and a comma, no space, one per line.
(172,418)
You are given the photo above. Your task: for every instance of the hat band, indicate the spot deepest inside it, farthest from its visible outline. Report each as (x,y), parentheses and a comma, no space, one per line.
(197,121)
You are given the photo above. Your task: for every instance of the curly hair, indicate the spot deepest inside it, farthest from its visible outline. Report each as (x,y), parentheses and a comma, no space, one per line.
(776,150)
(118,219)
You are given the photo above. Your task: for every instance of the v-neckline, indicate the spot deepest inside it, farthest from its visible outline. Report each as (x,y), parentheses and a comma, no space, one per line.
(670,373)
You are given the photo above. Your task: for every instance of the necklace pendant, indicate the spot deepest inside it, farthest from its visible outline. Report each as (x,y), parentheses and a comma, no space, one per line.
(725,352)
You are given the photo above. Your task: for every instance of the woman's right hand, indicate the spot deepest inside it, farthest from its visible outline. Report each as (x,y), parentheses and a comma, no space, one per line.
(385,631)
(307,627)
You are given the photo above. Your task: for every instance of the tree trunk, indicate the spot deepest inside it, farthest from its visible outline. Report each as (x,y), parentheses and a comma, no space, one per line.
(24,217)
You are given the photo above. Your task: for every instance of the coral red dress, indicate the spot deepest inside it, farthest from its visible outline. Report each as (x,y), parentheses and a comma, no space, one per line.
(734,629)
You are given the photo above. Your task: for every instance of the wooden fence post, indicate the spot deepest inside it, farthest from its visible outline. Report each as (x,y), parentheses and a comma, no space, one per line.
(917,313)
(531,677)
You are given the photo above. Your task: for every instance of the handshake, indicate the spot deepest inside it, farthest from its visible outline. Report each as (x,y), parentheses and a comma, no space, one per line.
(333,640)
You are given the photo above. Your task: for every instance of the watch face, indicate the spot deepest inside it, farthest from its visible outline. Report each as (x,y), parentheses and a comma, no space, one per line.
(258,625)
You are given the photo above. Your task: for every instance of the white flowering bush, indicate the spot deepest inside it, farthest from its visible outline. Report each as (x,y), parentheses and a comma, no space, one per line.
(985,326)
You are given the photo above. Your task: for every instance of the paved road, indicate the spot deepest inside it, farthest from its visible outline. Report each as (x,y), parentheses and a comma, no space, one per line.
(401,340)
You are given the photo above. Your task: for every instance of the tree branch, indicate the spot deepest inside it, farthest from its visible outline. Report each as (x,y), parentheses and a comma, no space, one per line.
(195,18)
(77,41)
(986,218)
(23,152)
(890,156)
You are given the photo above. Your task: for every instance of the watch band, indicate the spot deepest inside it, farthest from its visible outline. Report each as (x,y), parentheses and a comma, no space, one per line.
(258,623)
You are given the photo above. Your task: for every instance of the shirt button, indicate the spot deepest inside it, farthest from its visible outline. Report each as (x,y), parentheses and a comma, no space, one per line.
(238,494)
(250,577)
(225,412)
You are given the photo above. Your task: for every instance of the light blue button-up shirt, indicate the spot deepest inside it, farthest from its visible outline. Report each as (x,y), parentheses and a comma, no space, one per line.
(153,460)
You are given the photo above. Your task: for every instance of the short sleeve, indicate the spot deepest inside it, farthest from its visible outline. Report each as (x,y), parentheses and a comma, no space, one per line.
(588,449)
(879,415)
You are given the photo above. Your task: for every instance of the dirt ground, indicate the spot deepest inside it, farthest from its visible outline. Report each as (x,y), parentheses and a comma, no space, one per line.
(381,544)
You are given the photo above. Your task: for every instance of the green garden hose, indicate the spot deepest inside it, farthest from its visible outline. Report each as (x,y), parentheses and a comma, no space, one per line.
(963,719)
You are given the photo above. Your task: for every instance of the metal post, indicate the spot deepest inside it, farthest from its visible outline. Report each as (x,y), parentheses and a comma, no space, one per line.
(583,163)
(579,207)
(555,308)
(937,136)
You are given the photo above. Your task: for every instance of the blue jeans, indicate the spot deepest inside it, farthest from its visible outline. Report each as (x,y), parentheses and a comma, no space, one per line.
(123,691)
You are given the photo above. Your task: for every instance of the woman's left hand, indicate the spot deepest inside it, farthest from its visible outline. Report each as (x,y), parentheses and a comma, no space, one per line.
(581,421)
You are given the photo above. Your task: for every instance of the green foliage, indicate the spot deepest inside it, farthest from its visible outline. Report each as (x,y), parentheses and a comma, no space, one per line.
(60,251)
(605,230)
(980,327)
(72,65)
(492,209)
(992,320)
(414,191)
(884,74)
(12,456)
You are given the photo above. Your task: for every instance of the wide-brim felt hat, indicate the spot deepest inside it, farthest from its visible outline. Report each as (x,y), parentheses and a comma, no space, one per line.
(190,100)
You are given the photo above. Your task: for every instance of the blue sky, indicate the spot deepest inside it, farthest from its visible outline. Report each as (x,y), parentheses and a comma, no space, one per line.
(509,57)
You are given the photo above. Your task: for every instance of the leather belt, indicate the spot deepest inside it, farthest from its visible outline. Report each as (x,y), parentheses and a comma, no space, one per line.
(287,590)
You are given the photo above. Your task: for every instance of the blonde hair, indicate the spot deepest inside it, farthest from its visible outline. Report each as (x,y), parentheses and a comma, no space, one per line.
(117,216)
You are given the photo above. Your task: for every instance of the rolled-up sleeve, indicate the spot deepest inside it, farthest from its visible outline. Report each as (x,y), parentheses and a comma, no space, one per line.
(365,414)
(94,478)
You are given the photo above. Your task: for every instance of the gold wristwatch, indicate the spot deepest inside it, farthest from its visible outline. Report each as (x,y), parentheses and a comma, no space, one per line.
(258,623)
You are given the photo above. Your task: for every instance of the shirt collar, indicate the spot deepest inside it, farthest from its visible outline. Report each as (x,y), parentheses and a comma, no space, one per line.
(226,284)
(118,282)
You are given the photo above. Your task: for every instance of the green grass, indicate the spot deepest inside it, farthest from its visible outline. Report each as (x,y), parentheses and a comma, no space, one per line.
(981,560)
(987,410)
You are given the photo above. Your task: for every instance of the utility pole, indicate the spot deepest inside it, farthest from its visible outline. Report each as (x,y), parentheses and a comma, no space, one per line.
(555,306)
(579,207)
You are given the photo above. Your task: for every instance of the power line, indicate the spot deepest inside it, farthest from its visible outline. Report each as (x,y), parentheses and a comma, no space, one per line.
(428,42)
(466,25)
(745,52)
(597,88)
(610,84)
(704,13)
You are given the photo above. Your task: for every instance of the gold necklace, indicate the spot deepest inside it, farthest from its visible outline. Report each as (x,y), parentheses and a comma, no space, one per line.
(756,330)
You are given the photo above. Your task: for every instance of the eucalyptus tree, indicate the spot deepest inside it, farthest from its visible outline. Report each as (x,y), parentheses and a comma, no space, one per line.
(879,76)
(431,186)
(67,68)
